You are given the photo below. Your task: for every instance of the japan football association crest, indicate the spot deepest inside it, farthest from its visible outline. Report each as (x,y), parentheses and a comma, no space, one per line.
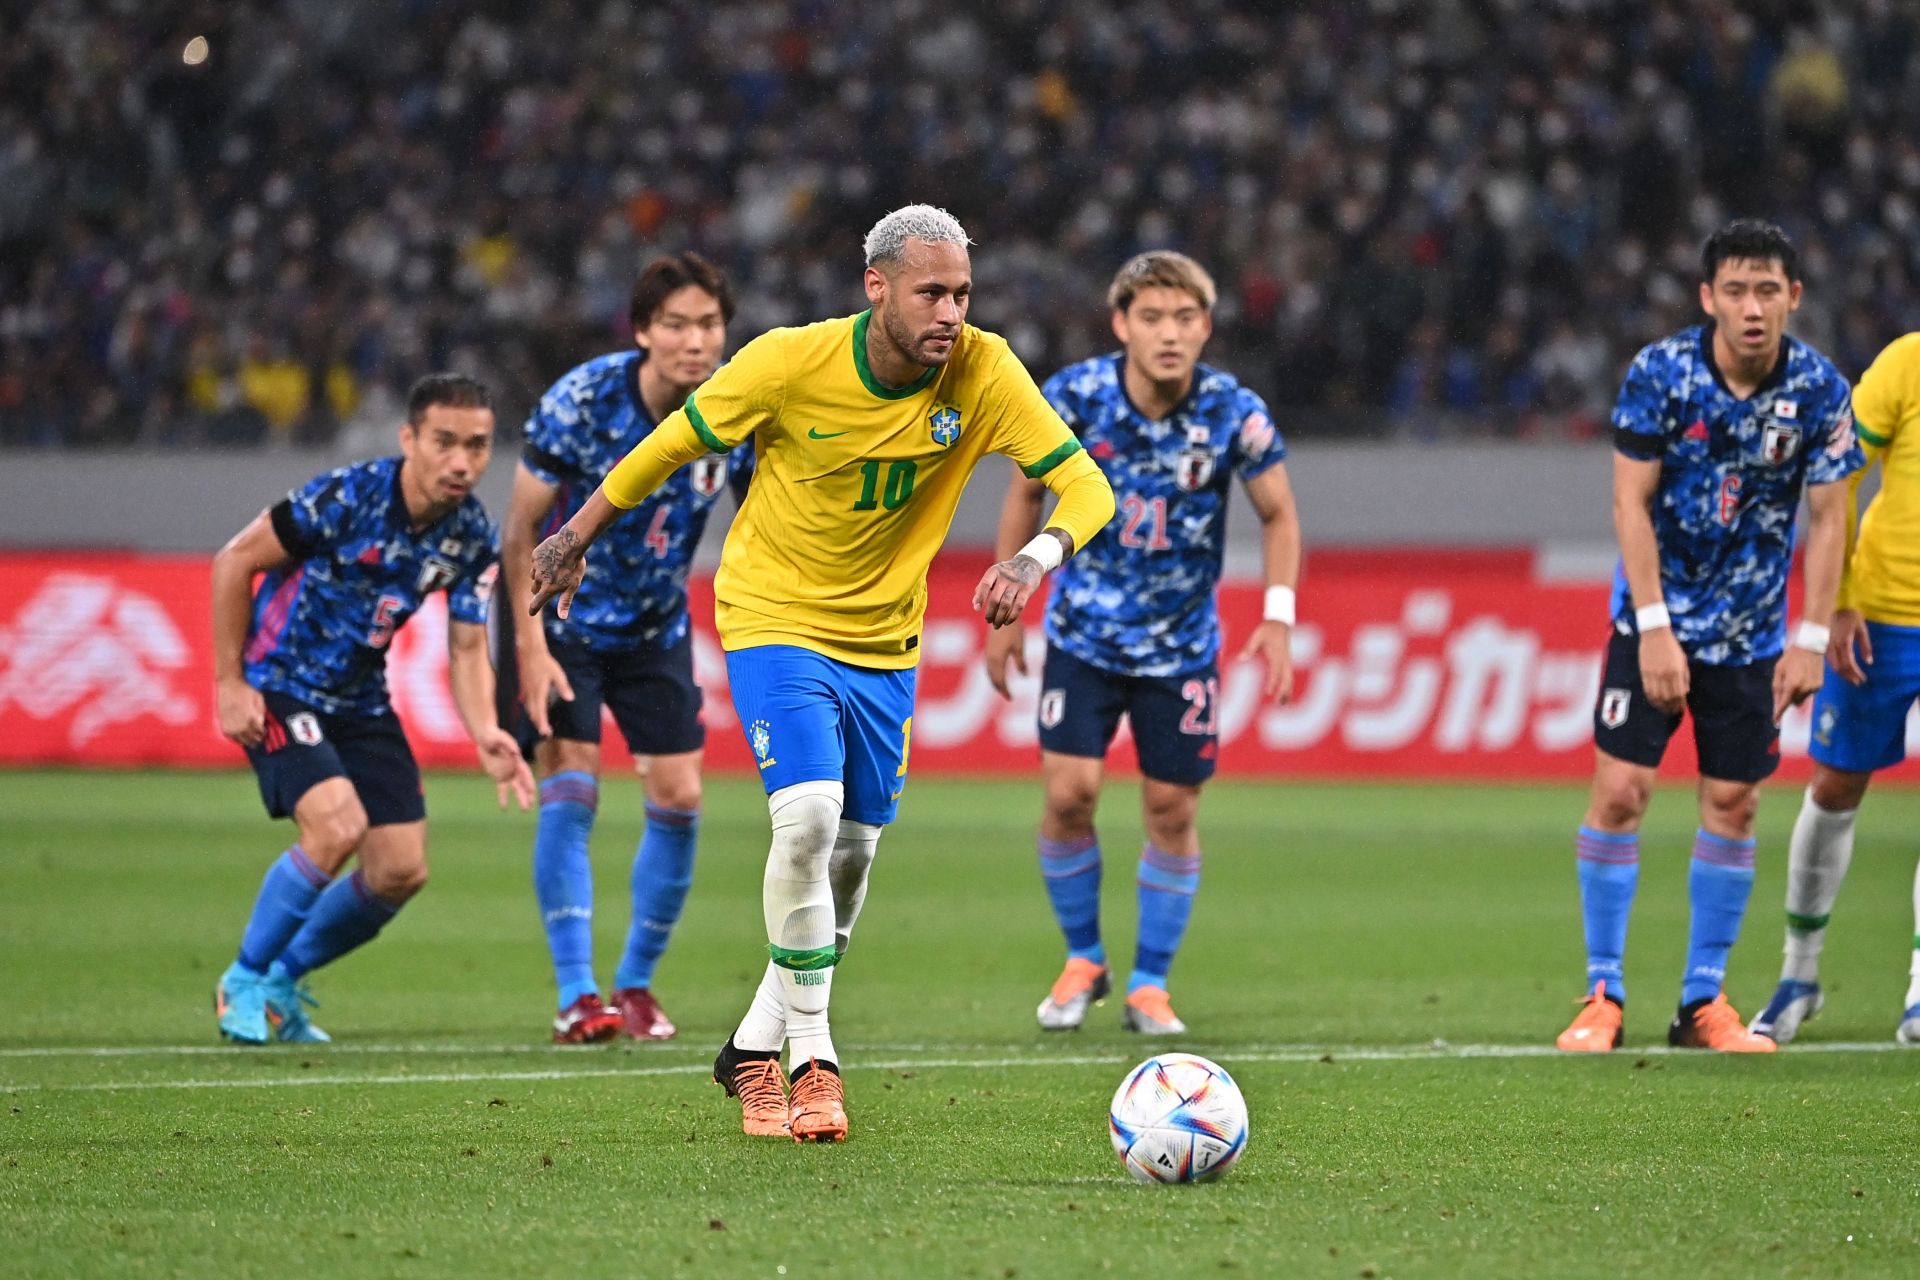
(708,474)
(1780,443)
(1053,708)
(1613,707)
(1193,467)
(436,574)
(945,424)
(304,728)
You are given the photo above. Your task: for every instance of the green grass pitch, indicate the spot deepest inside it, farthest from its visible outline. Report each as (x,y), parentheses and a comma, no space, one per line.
(1351,943)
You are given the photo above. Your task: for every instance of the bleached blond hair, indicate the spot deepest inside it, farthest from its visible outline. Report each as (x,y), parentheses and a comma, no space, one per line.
(886,244)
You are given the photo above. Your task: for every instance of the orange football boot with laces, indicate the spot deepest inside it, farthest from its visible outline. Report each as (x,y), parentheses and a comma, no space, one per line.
(1080,984)
(817,1106)
(761,1087)
(1713,1024)
(1596,1028)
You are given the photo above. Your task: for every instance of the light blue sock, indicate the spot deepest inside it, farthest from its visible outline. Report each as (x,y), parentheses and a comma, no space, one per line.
(1719,880)
(1168,882)
(563,878)
(287,894)
(662,874)
(1609,866)
(346,916)
(1071,869)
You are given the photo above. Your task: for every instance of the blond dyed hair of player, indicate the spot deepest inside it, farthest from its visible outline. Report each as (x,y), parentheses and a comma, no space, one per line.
(1160,269)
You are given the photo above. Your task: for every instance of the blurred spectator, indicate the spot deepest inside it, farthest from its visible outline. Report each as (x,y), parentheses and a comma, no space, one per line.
(1432,215)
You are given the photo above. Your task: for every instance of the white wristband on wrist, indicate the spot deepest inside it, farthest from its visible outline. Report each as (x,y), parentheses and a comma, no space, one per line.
(1652,617)
(1812,637)
(1046,549)
(1280,605)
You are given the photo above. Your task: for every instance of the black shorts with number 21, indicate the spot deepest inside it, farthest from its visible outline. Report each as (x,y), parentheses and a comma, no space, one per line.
(1732,709)
(1173,717)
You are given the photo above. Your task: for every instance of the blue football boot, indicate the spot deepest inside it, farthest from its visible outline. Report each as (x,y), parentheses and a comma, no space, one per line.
(287,1003)
(240,1004)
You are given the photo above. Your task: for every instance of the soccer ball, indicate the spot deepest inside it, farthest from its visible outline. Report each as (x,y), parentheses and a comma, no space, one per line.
(1178,1118)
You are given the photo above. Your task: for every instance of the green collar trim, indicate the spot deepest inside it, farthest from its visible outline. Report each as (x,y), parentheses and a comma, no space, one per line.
(867,379)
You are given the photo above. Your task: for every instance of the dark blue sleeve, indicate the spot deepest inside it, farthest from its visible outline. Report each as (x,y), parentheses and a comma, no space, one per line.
(552,448)
(310,519)
(1639,415)
(1257,445)
(1057,391)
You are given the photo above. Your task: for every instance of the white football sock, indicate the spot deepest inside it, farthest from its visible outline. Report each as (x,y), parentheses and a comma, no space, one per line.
(1817,859)
(764,1029)
(852,859)
(797,899)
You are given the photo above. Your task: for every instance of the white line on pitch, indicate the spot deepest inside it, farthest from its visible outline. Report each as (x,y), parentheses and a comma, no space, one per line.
(1290,1054)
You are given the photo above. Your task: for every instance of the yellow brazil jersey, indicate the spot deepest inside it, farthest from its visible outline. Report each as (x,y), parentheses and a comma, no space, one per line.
(1883,567)
(856,482)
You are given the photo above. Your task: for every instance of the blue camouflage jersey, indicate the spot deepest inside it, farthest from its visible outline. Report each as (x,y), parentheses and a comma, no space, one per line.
(1139,598)
(1731,476)
(634,595)
(321,626)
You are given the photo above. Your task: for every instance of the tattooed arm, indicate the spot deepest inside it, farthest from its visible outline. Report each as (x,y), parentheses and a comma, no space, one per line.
(561,561)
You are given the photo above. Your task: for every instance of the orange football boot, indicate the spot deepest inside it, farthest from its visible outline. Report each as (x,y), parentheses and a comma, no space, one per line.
(817,1106)
(761,1087)
(1596,1028)
(1712,1024)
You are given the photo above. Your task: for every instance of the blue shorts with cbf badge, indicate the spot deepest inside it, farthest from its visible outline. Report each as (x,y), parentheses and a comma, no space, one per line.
(1858,729)
(809,718)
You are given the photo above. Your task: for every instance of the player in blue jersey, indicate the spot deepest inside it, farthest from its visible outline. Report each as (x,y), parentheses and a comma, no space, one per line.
(300,682)
(1132,626)
(1718,432)
(626,643)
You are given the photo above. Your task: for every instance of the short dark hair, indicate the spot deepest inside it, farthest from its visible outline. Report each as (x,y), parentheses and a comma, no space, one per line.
(676,271)
(455,390)
(1753,238)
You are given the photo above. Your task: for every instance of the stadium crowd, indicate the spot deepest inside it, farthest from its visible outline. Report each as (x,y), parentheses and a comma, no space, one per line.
(1427,216)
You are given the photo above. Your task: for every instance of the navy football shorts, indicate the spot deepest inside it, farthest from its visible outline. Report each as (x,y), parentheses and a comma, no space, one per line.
(1732,708)
(1174,733)
(652,694)
(305,746)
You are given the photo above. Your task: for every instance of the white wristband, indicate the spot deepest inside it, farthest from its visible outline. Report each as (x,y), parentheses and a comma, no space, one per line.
(1046,549)
(1812,637)
(1280,605)
(1652,617)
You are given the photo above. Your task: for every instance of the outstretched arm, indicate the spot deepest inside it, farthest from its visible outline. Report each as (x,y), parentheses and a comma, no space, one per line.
(1272,496)
(470,677)
(255,549)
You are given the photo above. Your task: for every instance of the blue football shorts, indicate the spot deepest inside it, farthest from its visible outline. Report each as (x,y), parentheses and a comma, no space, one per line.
(1859,729)
(810,718)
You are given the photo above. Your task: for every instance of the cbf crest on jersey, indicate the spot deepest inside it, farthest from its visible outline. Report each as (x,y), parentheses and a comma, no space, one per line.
(708,474)
(945,422)
(1193,468)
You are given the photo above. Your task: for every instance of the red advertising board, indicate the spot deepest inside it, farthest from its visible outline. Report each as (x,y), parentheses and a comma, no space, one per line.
(1421,665)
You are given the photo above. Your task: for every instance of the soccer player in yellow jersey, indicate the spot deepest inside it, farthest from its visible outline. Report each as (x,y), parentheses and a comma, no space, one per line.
(1873,677)
(865,430)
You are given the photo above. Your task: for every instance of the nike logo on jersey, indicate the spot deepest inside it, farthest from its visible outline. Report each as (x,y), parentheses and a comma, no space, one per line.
(815,433)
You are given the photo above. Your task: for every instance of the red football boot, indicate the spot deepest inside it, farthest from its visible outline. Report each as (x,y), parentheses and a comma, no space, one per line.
(586,1021)
(641,1015)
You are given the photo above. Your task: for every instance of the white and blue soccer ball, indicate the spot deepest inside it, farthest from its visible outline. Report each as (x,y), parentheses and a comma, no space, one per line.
(1178,1117)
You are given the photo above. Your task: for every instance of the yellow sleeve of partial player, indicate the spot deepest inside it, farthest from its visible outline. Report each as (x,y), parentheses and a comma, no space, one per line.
(1029,430)
(1086,499)
(1886,393)
(743,396)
